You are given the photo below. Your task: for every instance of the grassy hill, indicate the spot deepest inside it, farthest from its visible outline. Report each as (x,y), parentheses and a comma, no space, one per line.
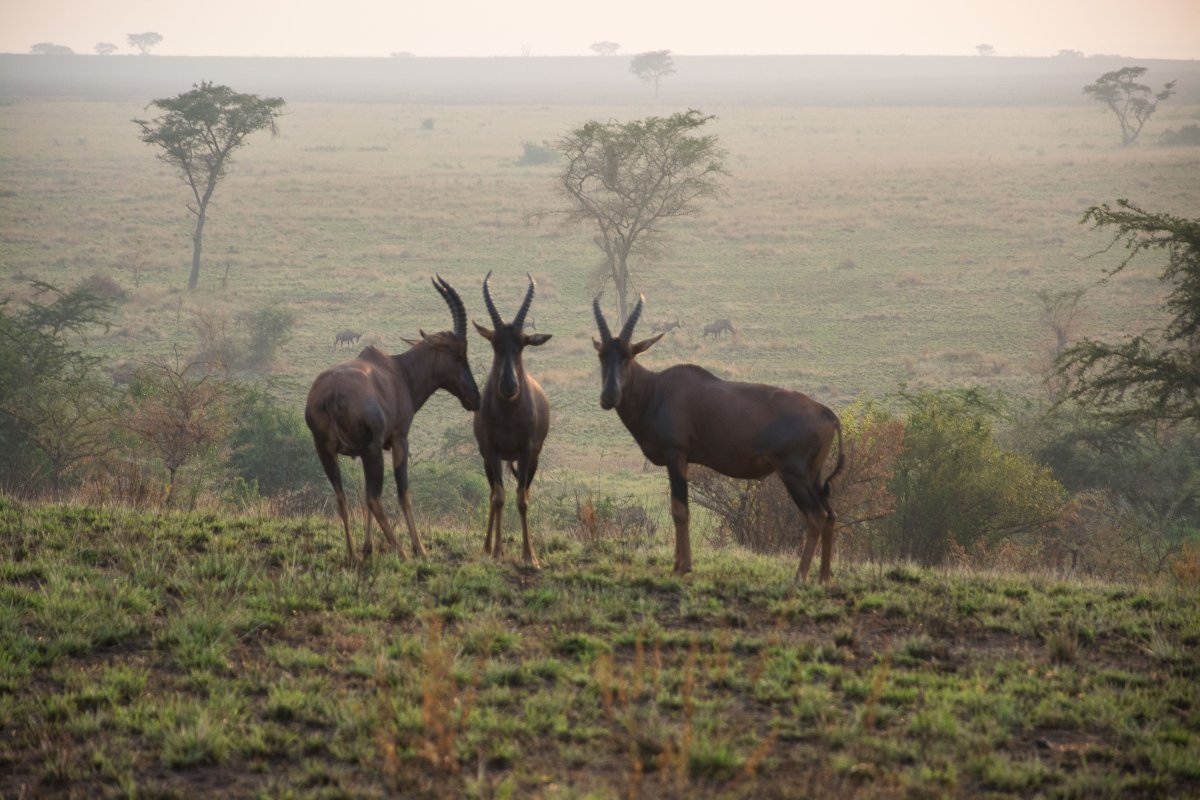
(186,655)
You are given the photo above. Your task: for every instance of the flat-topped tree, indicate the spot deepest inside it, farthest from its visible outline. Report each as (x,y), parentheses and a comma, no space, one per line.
(1133,103)
(630,178)
(144,42)
(198,134)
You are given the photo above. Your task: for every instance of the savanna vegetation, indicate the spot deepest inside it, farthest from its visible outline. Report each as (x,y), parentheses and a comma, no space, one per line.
(1013,608)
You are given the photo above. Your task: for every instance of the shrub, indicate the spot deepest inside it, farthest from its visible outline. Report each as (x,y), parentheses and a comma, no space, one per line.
(535,154)
(449,492)
(102,286)
(267,329)
(270,445)
(956,487)
(1187,136)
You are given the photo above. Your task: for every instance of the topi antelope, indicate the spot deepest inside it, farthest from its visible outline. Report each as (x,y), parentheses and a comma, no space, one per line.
(362,407)
(512,420)
(686,415)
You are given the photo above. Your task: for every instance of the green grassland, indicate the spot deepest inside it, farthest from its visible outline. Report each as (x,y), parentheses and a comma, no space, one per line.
(174,655)
(854,249)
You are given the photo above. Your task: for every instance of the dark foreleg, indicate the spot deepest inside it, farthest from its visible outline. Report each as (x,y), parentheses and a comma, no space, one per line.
(494,470)
(677,472)
(525,472)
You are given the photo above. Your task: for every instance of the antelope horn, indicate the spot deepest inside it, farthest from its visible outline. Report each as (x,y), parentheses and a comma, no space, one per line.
(605,336)
(497,322)
(519,321)
(627,330)
(457,310)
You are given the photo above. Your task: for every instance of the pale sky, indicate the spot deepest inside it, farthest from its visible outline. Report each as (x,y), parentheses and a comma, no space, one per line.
(1147,29)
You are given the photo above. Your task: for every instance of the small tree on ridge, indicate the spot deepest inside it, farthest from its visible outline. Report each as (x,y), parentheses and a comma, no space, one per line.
(144,42)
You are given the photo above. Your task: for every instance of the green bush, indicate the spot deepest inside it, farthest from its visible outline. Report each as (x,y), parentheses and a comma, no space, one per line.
(450,492)
(267,329)
(270,445)
(956,488)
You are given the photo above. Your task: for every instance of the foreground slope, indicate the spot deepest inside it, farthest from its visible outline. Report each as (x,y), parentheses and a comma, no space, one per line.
(172,655)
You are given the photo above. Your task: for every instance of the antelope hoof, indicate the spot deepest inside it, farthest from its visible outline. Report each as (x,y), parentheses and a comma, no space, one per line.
(532,562)
(367,551)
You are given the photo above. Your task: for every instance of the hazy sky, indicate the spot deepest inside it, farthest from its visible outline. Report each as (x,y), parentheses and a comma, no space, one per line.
(1148,29)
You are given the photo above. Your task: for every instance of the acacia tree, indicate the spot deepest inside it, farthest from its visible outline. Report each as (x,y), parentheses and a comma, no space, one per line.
(197,136)
(53,400)
(1154,375)
(1133,103)
(652,66)
(629,178)
(144,42)
(605,48)
(105,48)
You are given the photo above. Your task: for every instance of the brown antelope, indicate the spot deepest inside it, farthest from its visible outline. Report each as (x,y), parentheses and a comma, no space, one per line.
(686,415)
(512,420)
(717,328)
(362,407)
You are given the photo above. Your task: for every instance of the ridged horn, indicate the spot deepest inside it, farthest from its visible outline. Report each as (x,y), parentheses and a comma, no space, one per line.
(605,336)
(519,320)
(627,330)
(457,310)
(497,322)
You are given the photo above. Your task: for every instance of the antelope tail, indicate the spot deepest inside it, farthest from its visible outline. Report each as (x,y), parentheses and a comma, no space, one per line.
(841,462)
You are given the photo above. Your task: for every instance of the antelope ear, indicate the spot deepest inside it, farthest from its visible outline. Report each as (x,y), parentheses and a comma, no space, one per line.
(538,339)
(645,344)
(596,344)
(484,332)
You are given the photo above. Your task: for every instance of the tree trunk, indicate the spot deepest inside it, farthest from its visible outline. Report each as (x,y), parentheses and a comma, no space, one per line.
(621,283)
(197,241)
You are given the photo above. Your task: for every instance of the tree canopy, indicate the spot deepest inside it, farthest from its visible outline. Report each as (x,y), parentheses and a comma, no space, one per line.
(198,134)
(1133,103)
(652,66)
(1153,375)
(144,42)
(629,178)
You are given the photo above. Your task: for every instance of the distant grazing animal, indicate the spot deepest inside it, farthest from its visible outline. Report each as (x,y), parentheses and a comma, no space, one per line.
(345,338)
(531,325)
(718,327)
(513,418)
(362,407)
(665,327)
(686,415)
